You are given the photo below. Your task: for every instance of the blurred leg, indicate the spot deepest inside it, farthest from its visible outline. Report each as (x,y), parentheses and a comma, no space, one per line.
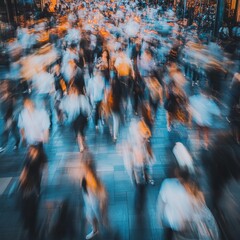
(15,132)
(115,125)
(168,234)
(206,136)
(97,113)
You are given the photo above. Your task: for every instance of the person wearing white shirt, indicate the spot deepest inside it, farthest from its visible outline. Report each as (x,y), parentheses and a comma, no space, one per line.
(97,87)
(43,82)
(224,32)
(78,110)
(66,67)
(203,109)
(182,210)
(33,124)
(43,87)
(174,207)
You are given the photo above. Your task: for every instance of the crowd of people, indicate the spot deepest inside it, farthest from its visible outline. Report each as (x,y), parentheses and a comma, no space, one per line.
(117,62)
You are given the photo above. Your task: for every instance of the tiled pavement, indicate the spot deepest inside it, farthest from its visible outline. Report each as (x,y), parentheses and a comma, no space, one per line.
(61,182)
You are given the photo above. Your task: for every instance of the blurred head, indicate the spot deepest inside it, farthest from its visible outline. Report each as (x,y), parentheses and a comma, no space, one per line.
(73,46)
(182,174)
(148,53)
(205,91)
(28,104)
(105,54)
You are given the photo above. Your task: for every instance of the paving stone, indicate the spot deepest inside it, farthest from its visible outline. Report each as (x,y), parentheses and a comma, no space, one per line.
(4,183)
(62,180)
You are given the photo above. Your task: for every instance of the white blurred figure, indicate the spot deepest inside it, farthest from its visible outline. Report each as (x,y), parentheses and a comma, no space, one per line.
(23,37)
(96,91)
(73,35)
(43,87)
(78,110)
(135,156)
(33,124)
(72,18)
(185,216)
(146,64)
(203,109)
(95,199)
(183,157)
(224,32)
(138,158)
(43,82)
(66,68)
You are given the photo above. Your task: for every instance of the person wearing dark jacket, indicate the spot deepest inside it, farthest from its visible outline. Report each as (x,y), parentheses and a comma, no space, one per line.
(78,78)
(30,186)
(234,115)
(8,107)
(60,87)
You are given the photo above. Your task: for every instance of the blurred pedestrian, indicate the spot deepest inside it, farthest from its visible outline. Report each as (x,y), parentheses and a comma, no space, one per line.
(234,115)
(203,108)
(103,64)
(95,199)
(96,91)
(29,187)
(33,124)
(78,110)
(61,89)
(9,113)
(114,104)
(187,216)
(224,32)
(44,89)
(176,105)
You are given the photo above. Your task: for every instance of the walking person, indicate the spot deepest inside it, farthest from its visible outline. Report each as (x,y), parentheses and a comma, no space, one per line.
(30,188)
(234,115)
(187,216)
(114,104)
(103,64)
(9,112)
(95,199)
(33,124)
(61,88)
(203,108)
(77,108)
(96,91)
(43,90)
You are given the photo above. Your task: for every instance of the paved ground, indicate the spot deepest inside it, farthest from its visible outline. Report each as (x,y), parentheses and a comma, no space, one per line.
(62,182)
